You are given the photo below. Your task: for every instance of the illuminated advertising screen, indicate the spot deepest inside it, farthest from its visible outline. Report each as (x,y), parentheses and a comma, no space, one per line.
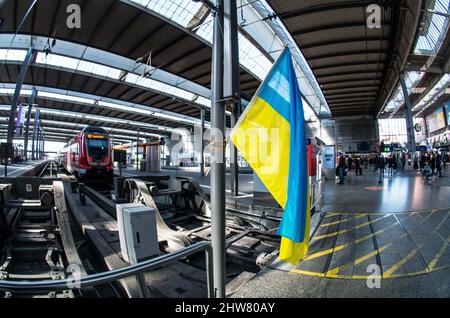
(447,111)
(436,120)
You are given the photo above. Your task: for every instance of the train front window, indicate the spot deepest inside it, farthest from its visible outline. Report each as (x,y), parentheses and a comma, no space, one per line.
(97,147)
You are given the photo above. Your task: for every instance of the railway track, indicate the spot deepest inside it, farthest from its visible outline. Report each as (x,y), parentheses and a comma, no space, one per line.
(33,251)
(36,240)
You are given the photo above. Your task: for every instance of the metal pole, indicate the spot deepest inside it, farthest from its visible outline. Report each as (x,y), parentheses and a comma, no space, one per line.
(27,127)
(218,155)
(137,150)
(15,101)
(232,82)
(34,143)
(202,151)
(409,116)
(39,144)
(43,144)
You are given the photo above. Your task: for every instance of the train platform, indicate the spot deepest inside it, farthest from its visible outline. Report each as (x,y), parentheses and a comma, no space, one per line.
(396,233)
(17,170)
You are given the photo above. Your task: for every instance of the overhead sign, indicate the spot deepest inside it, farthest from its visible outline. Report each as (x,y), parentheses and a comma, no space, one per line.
(422,148)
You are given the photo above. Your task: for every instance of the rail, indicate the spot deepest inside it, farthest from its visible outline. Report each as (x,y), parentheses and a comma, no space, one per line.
(137,270)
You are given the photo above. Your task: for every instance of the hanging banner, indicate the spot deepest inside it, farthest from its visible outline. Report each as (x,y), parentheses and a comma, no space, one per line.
(21,113)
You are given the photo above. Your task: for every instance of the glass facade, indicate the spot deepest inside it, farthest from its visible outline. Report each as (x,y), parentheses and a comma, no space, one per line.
(393,130)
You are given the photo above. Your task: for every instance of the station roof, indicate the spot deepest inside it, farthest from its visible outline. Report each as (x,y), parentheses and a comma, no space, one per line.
(356,66)
(147,63)
(124,29)
(428,67)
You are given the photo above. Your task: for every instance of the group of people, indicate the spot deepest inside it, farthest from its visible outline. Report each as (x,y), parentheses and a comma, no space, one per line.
(349,163)
(390,163)
(431,164)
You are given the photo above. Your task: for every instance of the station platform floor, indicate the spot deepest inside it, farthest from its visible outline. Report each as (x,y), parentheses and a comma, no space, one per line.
(16,170)
(405,191)
(396,233)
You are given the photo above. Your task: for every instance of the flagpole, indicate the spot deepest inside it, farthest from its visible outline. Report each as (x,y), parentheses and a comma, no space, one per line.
(232,82)
(218,154)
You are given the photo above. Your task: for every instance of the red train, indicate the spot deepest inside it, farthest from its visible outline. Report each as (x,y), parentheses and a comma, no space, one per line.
(89,155)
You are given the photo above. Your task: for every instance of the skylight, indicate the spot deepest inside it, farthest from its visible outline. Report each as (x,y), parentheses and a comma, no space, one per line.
(205,31)
(412,79)
(158,86)
(12,55)
(433,94)
(249,55)
(66,98)
(78,65)
(178,11)
(252,58)
(108,103)
(437,20)
(114,73)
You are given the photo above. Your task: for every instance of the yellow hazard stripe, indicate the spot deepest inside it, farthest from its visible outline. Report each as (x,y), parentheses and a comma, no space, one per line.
(316,238)
(343,221)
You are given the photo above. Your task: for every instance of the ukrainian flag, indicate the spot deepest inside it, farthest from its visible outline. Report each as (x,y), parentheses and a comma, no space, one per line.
(271,137)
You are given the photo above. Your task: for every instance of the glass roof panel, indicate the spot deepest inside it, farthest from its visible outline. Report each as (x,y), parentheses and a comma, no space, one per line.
(12,55)
(178,11)
(437,19)
(106,71)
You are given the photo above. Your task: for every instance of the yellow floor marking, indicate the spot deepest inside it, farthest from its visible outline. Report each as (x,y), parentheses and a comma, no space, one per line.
(389,274)
(326,252)
(362,259)
(401,262)
(374,253)
(331,214)
(375,233)
(302,272)
(343,246)
(343,221)
(431,213)
(407,274)
(442,221)
(348,230)
(438,256)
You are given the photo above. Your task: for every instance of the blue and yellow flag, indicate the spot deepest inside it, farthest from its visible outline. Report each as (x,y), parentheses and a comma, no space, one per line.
(271,136)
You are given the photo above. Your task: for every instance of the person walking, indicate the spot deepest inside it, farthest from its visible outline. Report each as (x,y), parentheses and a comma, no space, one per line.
(341,170)
(432,163)
(390,162)
(358,169)
(381,165)
(439,165)
(350,163)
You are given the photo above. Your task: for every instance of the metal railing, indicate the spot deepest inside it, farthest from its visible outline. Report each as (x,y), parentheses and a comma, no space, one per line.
(317,195)
(137,270)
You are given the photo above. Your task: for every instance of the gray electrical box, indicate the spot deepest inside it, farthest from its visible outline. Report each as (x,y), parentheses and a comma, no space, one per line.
(137,232)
